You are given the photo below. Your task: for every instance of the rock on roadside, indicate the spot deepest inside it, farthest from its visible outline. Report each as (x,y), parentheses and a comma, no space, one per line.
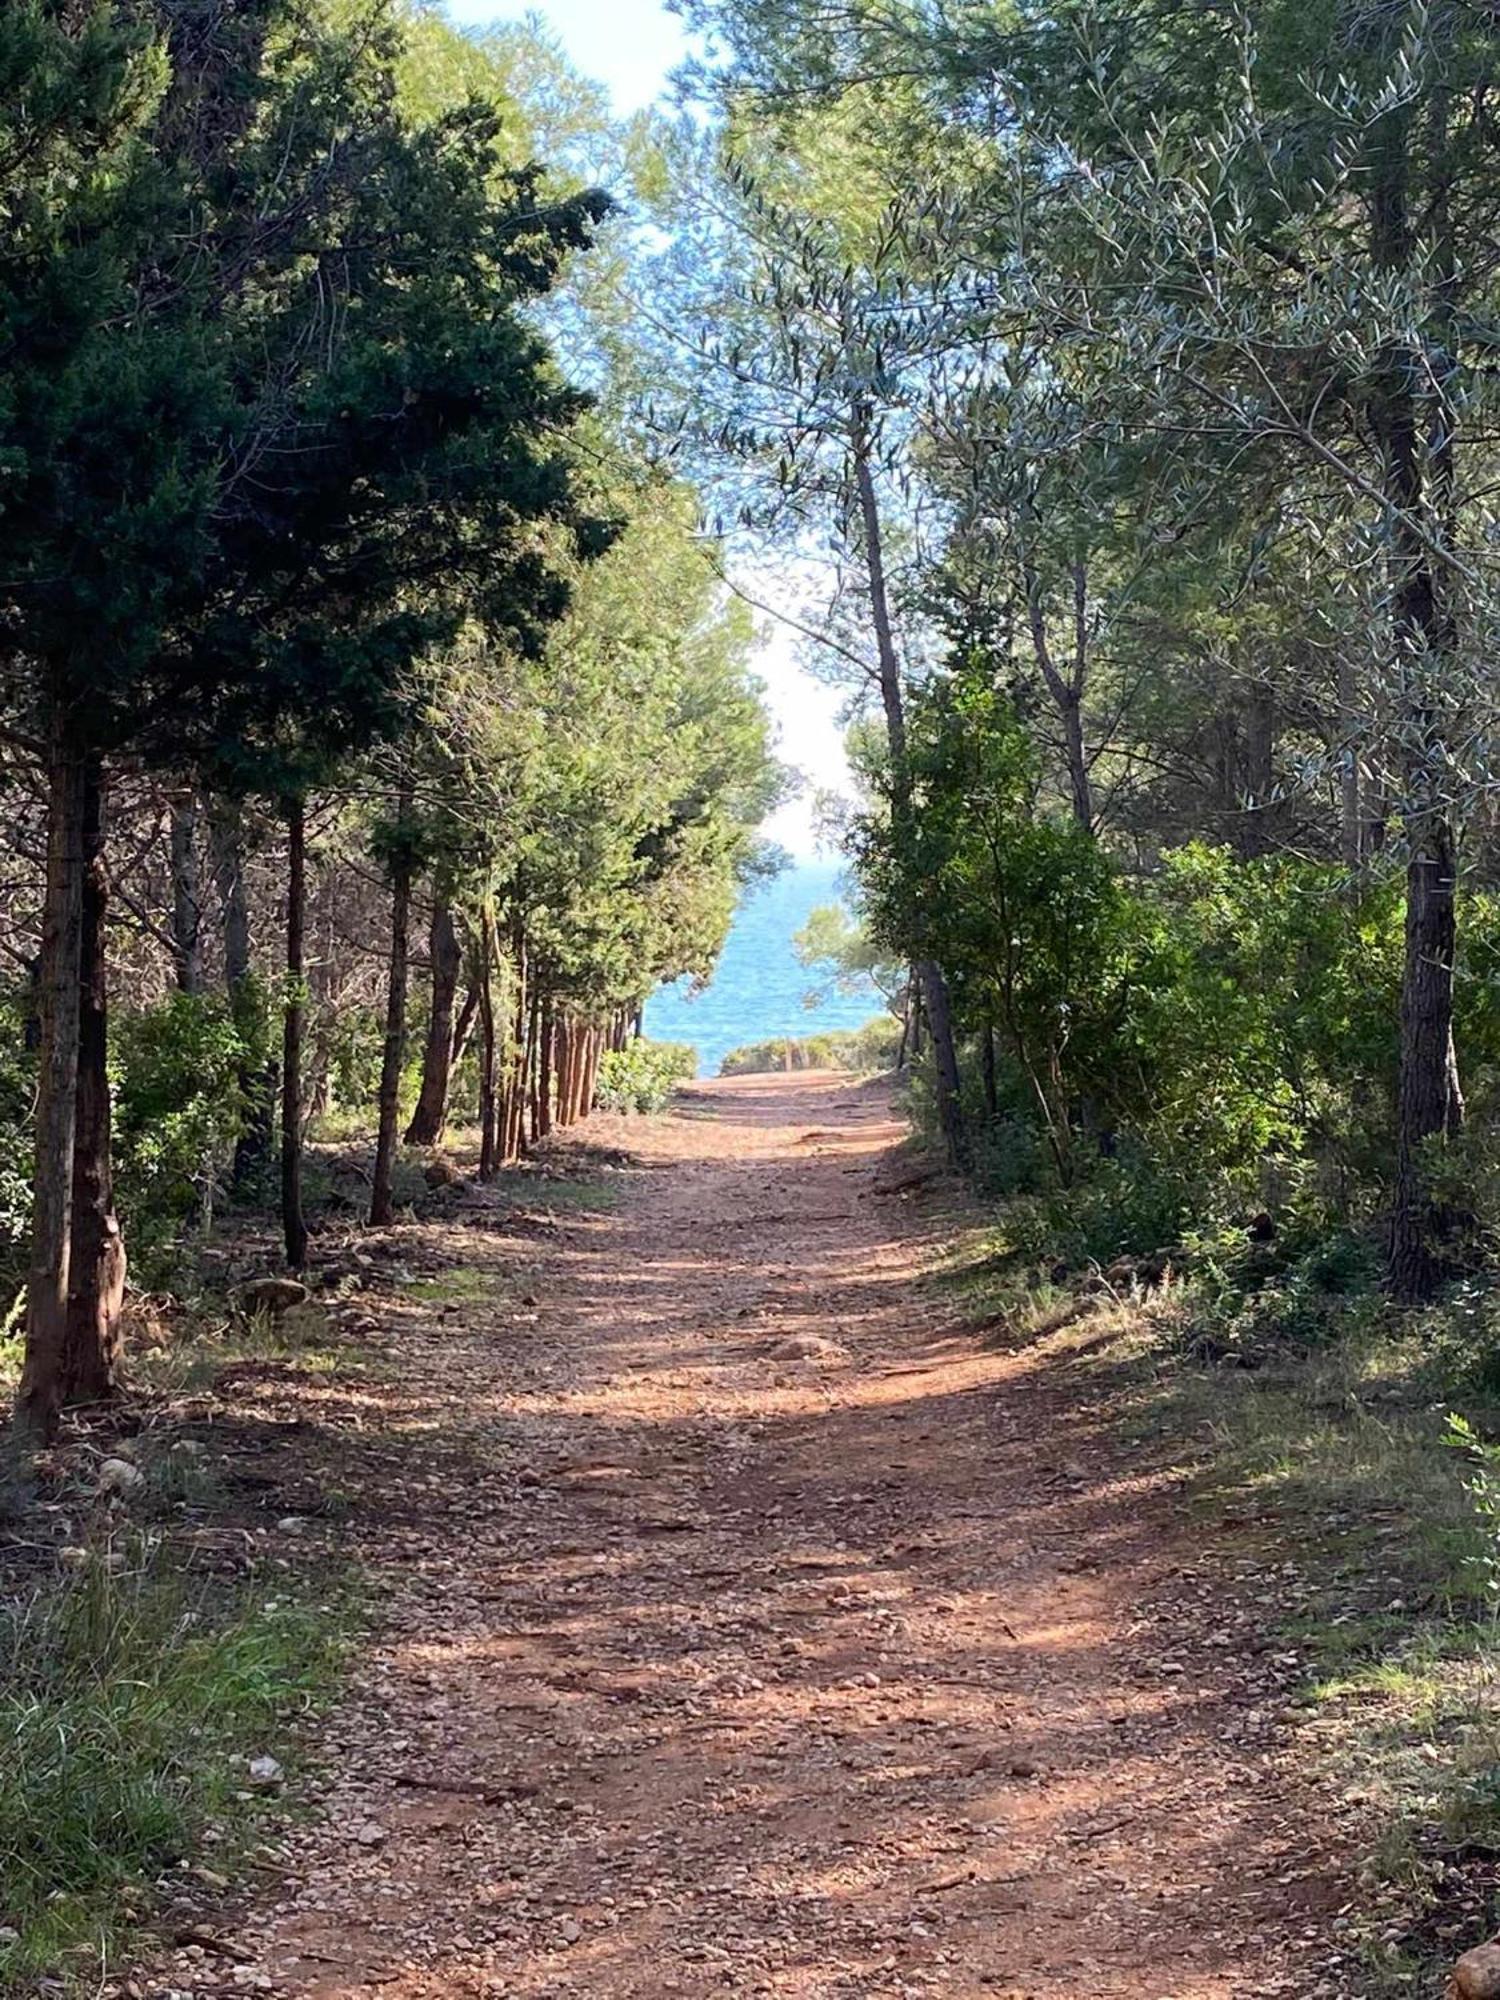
(272,1295)
(1477,1974)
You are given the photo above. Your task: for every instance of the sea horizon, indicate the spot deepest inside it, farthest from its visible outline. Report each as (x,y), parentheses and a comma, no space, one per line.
(758,988)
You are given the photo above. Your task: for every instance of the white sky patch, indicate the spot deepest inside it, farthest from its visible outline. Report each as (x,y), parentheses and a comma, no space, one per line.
(628,45)
(810,735)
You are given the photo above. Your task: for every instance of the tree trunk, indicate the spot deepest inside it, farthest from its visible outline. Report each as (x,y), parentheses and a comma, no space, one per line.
(1429,1104)
(42,1377)
(393,1056)
(544,1091)
(515,1115)
(489,1135)
(293,1222)
(533,1066)
(431,1113)
(257,1083)
(987,1063)
(594,1056)
(560,1066)
(227,840)
(96,1289)
(1066,690)
(929,974)
(1351,805)
(187,895)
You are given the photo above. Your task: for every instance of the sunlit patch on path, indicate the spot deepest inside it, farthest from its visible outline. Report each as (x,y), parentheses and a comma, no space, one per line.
(751,1629)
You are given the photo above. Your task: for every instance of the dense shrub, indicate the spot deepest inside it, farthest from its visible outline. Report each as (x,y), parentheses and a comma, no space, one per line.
(178,1072)
(17,1088)
(862,1050)
(1173,1047)
(643,1075)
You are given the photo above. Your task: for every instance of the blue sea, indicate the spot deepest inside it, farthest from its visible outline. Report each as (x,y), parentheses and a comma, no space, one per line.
(758,988)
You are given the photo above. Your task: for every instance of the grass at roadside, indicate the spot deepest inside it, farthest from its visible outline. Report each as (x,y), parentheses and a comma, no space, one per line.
(133,1698)
(1312,1433)
(139,1672)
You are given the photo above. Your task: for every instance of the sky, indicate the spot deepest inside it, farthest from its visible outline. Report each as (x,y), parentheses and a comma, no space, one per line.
(630,46)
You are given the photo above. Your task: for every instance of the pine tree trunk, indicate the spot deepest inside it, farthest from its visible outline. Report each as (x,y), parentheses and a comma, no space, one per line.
(1429,1104)
(515,1121)
(594,1053)
(549,1034)
(987,1061)
(187,895)
(533,1066)
(293,1221)
(431,1113)
(227,840)
(42,1378)
(257,1084)
(393,1056)
(96,1288)
(463,1027)
(489,1109)
(929,974)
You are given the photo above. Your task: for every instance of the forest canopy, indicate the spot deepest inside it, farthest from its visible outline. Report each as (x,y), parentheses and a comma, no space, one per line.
(340,607)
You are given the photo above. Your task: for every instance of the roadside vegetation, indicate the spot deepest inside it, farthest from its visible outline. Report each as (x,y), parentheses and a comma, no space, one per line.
(1116,387)
(378,731)
(863,1051)
(1134,366)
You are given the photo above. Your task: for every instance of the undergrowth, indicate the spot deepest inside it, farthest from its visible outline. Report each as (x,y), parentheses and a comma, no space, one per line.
(1313,1425)
(132,1698)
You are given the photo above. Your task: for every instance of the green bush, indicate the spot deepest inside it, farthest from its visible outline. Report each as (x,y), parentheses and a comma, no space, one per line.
(178,1072)
(642,1076)
(354,1044)
(17,1092)
(864,1051)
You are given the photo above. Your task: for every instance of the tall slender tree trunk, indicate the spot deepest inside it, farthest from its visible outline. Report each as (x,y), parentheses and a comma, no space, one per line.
(42,1377)
(96,1282)
(544,1090)
(1429,1103)
(187,894)
(534,1060)
(293,1221)
(393,1055)
(430,1114)
(1067,689)
(1351,803)
(929,974)
(489,1110)
(593,1055)
(257,1081)
(515,1118)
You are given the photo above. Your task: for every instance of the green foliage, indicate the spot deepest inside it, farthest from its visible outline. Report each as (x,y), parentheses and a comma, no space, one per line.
(1483,1488)
(864,1051)
(1176,1048)
(17,1091)
(178,1072)
(643,1075)
(127,1705)
(353,1041)
(839,949)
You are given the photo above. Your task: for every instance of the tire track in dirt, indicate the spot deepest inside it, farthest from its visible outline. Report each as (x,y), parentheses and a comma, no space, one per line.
(749,1629)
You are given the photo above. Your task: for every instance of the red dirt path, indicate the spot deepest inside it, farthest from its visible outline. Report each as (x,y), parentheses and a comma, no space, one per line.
(709,1668)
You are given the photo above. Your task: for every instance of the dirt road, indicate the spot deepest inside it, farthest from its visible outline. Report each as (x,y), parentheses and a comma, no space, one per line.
(749,1627)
